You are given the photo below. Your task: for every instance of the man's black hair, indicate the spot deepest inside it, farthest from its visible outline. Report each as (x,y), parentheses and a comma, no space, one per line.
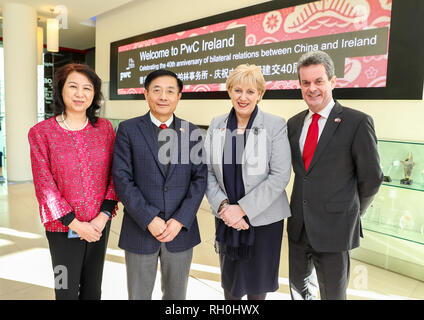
(160,73)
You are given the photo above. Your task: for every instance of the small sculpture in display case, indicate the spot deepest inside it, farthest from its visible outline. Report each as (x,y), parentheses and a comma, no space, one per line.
(408,165)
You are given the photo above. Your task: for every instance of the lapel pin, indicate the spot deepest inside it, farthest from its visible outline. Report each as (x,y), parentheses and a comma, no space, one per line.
(255,131)
(182,130)
(337,120)
(223,129)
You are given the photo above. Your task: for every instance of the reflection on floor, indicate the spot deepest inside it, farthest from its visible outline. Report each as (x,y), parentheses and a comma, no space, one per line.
(26,273)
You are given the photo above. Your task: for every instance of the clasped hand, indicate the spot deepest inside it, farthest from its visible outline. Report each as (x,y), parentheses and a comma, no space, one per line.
(90,231)
(232,215)
(164,231)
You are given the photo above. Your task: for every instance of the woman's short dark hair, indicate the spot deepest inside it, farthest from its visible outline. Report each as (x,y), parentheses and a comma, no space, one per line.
(160,73)
(59,81)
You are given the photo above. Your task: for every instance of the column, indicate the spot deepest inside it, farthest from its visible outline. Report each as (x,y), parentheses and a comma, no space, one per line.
(20,81)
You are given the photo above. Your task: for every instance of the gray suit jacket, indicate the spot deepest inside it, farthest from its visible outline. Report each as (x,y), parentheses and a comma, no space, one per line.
(341,181)
(266,168)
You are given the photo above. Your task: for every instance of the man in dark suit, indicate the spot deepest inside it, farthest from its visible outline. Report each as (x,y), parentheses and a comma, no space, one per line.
(160,178)
(337,173)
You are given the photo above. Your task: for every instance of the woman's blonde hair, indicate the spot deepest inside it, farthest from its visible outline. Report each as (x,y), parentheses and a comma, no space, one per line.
(247,73)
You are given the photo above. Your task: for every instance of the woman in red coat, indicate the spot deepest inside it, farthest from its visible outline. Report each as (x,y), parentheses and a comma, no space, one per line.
(71,158)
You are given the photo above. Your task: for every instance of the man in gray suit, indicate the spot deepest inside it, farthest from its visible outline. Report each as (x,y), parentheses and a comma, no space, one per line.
(337,173)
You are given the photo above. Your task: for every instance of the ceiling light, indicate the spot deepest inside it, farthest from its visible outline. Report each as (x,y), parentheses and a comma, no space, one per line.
(52,34)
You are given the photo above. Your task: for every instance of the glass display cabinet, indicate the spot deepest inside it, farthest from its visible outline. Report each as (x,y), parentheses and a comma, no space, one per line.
(394,223)
(115,122)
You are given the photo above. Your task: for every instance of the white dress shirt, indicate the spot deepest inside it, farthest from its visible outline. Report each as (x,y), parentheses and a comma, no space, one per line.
(324,113)
(157,123)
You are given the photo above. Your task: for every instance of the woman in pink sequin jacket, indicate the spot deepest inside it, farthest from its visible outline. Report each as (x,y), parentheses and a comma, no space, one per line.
(71,158)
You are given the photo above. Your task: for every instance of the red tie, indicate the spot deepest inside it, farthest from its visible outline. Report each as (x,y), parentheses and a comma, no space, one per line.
(163,126)
(311,141)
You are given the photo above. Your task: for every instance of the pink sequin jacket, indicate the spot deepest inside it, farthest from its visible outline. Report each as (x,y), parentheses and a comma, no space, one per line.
(71,170)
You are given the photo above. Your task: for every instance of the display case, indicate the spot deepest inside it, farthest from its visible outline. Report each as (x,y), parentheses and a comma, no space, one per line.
(115,122)
(394,223)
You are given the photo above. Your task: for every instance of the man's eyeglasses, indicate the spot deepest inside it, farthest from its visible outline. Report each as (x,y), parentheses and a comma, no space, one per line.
(169,92)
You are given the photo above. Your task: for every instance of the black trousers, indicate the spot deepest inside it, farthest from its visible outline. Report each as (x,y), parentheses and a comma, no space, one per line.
(77,265)
(310,270)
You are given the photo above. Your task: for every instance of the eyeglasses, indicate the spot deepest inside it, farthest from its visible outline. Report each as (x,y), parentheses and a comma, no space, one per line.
(169,92)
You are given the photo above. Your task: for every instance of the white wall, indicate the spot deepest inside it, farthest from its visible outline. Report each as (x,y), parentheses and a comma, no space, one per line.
(394,119)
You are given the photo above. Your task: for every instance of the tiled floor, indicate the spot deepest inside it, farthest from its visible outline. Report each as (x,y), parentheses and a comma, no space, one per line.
(26,273)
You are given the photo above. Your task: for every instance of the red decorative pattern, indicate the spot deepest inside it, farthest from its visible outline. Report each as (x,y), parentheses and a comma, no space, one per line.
(71,170)
(310,20)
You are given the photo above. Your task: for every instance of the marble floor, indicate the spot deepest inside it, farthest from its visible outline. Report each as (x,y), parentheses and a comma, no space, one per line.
(26,272)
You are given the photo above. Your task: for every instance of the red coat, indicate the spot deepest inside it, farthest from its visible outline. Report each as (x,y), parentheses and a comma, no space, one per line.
(71,170)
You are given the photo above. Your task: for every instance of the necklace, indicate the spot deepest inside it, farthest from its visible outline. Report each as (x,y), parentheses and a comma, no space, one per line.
(69,128)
